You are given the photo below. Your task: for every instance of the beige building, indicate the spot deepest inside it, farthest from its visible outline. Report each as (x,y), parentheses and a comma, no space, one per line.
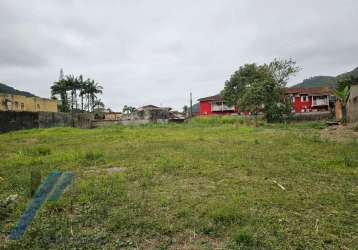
(10,102)
(352,106)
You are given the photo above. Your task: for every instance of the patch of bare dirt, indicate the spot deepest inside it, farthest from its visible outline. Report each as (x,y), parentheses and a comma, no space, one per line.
(340,133)
(107,170)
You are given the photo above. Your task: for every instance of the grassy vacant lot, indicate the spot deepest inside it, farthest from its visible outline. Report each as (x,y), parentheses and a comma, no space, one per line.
(210,184)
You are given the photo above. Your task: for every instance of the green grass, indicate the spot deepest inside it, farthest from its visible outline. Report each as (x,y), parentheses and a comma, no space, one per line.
(208,184)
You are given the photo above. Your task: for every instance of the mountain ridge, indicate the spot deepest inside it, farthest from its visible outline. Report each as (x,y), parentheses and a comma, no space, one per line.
(325,81)
(6,89)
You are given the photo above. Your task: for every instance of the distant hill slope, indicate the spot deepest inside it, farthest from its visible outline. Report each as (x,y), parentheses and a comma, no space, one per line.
(10,90)
(322,81)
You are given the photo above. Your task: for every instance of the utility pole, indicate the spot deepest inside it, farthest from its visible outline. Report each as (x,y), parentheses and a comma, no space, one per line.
(191,105)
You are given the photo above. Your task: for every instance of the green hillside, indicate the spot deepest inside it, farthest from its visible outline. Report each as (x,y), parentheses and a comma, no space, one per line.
(321,81)
(10,90)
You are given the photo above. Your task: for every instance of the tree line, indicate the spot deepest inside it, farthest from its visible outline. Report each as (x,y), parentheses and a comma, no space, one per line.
(77,94)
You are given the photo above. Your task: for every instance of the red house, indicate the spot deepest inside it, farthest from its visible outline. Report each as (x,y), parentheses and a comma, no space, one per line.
(309,99)
(213,105)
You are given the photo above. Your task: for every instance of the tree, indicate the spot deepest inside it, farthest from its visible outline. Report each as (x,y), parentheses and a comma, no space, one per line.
(82,90)
(75,86)
(60,88)
(346,81)
(343,97)
(98,105)
(128,109)
(92,89)
(260,88)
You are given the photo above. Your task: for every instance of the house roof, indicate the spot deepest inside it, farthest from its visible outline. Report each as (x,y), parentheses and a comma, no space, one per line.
(211,98)
(150,106)
(309,91)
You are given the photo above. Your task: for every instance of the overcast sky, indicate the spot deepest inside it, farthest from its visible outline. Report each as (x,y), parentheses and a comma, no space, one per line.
(156,52)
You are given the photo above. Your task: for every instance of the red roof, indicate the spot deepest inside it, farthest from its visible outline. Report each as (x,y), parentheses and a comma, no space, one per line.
(216,98)
(309,91)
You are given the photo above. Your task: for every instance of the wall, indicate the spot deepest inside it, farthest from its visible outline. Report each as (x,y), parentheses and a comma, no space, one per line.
(11,120)
(353,104)
(311,116)
(50,119)
(82,120)
(23,103)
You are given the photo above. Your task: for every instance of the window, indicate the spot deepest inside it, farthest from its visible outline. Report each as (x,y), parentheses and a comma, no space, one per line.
(22,106)
(38,106)
(16,105)
(304,98)
(221,106)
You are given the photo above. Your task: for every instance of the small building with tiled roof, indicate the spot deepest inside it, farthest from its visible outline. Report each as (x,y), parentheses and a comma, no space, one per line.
(214,105)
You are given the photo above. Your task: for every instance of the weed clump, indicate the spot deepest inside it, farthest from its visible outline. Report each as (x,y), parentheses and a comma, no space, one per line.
(245,239)
(37,151)
(93,157)
(349,161)
(167,165)
(226,214)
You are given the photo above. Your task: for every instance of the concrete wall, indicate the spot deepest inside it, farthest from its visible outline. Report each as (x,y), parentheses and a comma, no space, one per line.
(106,123)
(311,116)
(11,120)
(82,120)
(48,120)
(23,103)
(353,104)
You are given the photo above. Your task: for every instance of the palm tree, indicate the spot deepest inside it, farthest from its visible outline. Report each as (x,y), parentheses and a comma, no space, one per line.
(60,88)
(71,84)
(98,105)
(343,97)
(88,89)
(128,109)
(82,90)
(92,89)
